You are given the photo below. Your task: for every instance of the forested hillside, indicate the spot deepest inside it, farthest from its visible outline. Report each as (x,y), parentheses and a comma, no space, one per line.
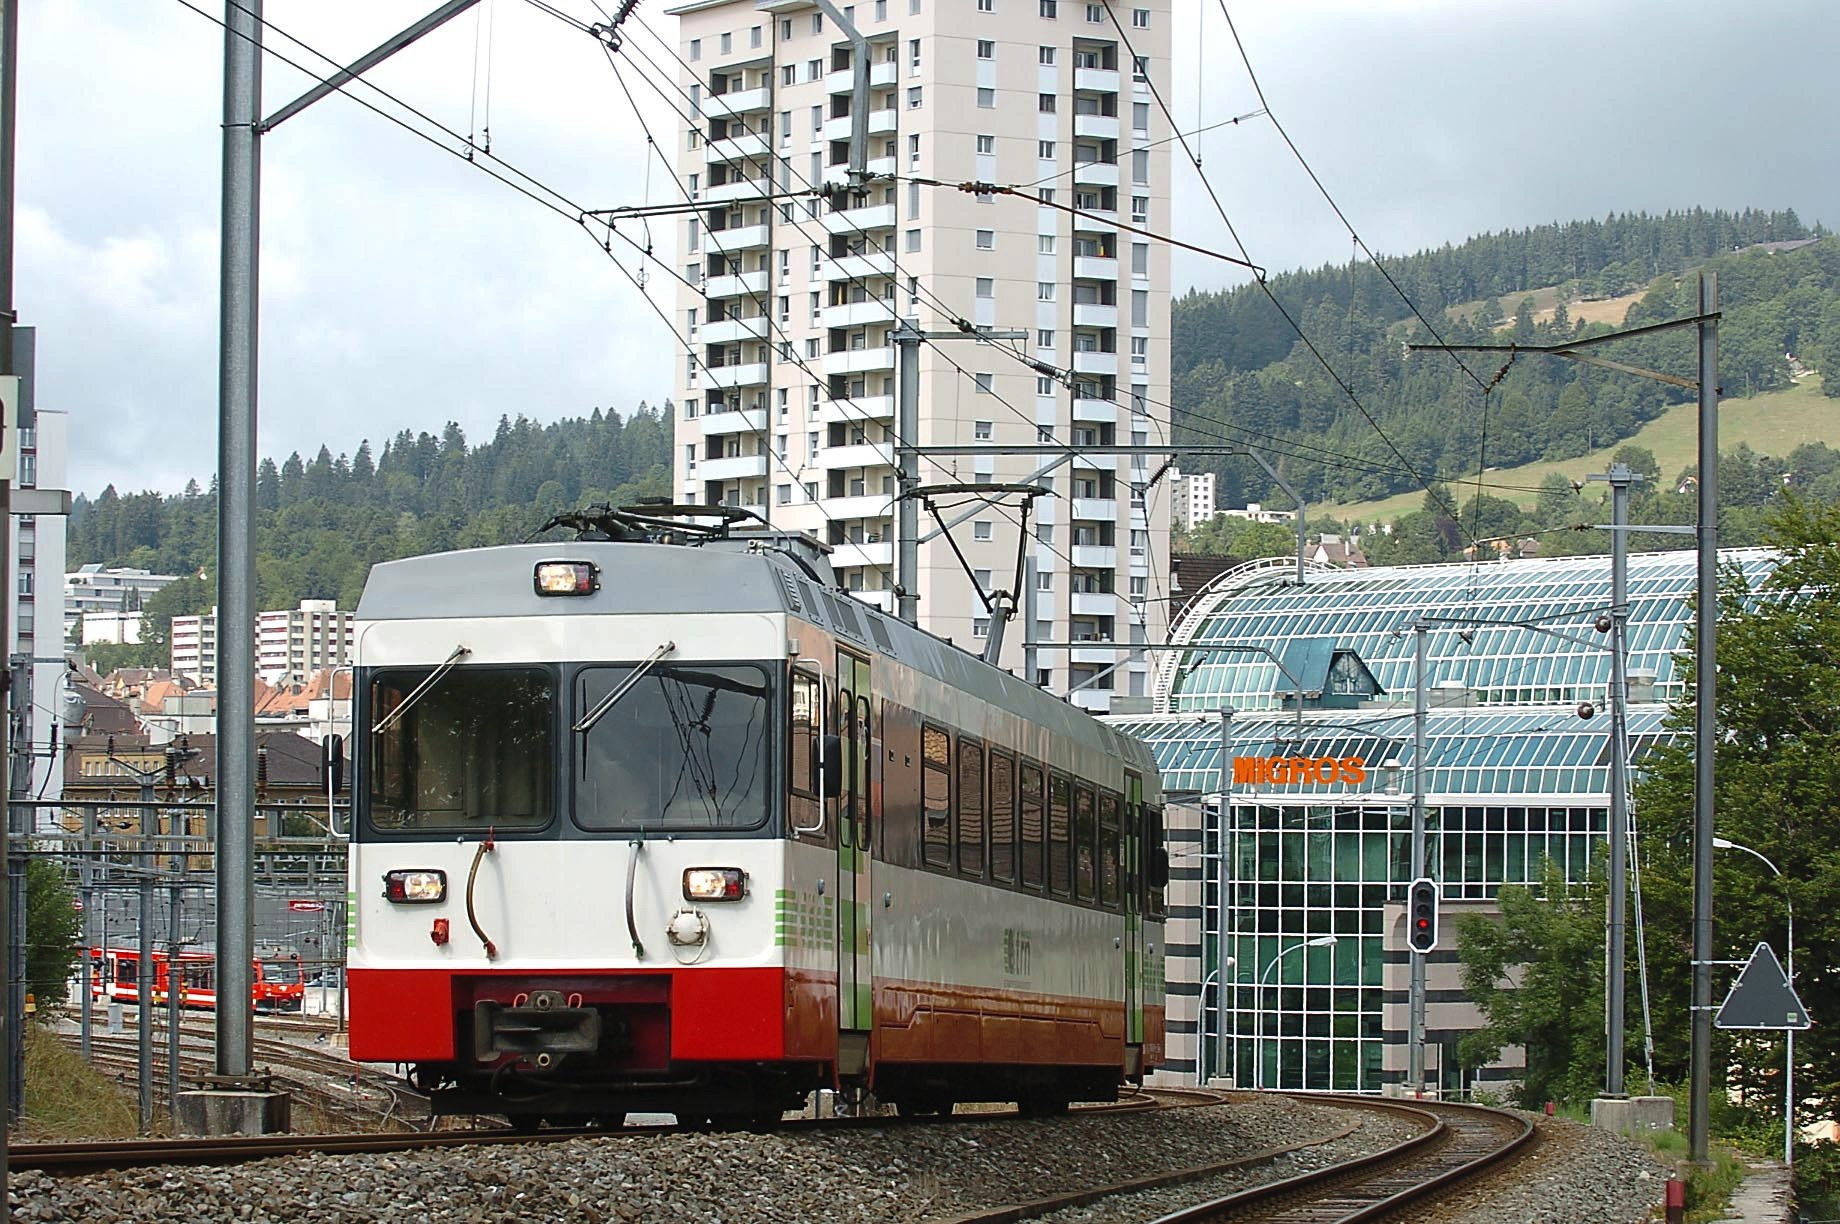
(321,524)
(1241,374)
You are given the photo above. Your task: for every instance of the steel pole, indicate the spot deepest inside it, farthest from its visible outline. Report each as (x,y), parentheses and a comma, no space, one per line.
(144,971)
(1415,1022)
(175,999)
(19,820)
(1221,815)
(1030,596)
(9,101)
(86,869)
(1620,478)
(236,469)
(1705,722)
(907,436)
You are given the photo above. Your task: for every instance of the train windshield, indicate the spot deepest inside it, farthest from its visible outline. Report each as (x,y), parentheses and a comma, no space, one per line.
(281,972)
(686,748)
(469,749)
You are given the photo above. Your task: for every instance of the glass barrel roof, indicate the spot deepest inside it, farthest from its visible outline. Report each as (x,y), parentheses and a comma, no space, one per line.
(1528,752)
(1236,630)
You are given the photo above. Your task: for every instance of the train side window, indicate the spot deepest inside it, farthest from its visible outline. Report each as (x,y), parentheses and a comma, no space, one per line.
(1034,869)
(935,797)
(1085,845)
(1158,874)
(804,717)
(1109,891)
(1002,818)
(970,808)
(1060,835)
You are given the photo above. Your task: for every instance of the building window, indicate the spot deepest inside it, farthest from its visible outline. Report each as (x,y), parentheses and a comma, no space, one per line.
(814,69)
(1095,13)
(987,99)
(1045,55)
(881,10)
(696,49)
(783,494)
(1140,209)
(1140,68)
(1044,149)
(1044,244)
(980,431)
(982,382)
(789,75)
(1140,18)
(1140,350)
(1044,385)
(980,626)
(1140,166)
(986,240)
(1140,259)
(913,57)
(1050,9)
(754,37)
(1140,116)
(986,49)
(785,30)
(1044,338)
(817,23)
(728,43)
(980,529)
(913,152)
(987,6)
(986,287)
(1140,308)
(913,201)
(1044,103)
(986,144)
(1045,195)
(1044,291)
(913,241)
(913,98)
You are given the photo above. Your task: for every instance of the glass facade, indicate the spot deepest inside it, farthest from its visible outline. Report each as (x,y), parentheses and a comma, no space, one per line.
(1293,978)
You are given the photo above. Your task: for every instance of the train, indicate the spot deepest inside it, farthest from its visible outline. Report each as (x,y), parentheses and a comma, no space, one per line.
(278,985)
(660,819)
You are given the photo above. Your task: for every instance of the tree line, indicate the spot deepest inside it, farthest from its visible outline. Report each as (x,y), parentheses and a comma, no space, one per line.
(321,524)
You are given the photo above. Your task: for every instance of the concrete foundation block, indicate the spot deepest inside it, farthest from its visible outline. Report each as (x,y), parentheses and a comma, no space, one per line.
(212,1112)
(1633,1114)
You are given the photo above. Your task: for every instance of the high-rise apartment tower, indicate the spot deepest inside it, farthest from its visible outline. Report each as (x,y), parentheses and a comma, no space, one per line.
(788,401)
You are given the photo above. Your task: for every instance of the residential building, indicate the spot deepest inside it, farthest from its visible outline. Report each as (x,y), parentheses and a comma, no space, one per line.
(95,589)
(37,598)
(291,644)
(1271,860)
(1192,497)
(788,393)
(109,628)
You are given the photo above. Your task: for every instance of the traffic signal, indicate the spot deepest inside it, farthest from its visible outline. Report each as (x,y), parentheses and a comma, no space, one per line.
(1422,916)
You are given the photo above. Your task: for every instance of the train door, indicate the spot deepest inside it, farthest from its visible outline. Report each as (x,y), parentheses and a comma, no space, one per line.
(1134,850)
(855,729)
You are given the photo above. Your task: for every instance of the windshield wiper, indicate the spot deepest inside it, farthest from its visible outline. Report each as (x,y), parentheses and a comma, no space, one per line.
(638,673)
(416,694)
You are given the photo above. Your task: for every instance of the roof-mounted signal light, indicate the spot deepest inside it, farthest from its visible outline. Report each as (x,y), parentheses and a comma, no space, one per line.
(567,578)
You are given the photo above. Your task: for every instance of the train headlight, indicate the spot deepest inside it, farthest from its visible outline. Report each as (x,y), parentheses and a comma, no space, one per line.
(415,887)
(714,883)
(567,578)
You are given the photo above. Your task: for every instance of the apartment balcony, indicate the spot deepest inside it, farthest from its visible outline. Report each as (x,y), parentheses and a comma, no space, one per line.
(856,408)
(738,189)
(1096,174)
(1103,654)
(858,361)
(880,600)
(737,148)
(1094,603)
(1103,411)
(1104,509)
(737,102)
(1095,314)
(742,284)
(857,314)
(1097,80)
(746,420)
(1102,127)
(857,455)
(1094,362)
(746,374)
(728,331)
(878,555)
(1092,700)
(857,506)
(857,267)
(881,123)
(883,75)
(1094,556)
(859,220)
(740,238)
(742,467)
(838,175)
(1095,267)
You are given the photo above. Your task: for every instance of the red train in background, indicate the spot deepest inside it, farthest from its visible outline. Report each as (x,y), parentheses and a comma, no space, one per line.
(279,986)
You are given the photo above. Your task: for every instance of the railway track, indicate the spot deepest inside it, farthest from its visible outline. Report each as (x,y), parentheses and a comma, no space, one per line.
(95,1157)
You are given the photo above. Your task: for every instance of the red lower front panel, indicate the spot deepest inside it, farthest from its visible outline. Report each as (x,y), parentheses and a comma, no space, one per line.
(715,1015)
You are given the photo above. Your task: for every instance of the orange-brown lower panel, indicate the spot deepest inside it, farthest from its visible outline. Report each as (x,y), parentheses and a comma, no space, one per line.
(955,1024)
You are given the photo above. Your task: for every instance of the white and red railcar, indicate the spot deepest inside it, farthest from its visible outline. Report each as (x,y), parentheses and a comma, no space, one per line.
(682,827)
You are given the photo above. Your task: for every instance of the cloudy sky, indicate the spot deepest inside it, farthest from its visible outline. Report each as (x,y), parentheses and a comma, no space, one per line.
(402,288)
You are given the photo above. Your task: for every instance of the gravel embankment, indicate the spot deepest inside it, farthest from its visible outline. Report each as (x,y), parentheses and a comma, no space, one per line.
(1577,1175)
(909,1173)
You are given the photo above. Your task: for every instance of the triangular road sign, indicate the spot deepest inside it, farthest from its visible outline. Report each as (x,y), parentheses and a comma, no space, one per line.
(1762,997)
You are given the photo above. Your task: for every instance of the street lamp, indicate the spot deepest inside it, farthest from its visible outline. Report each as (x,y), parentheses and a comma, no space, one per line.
(1724,843)
(1258,1009)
